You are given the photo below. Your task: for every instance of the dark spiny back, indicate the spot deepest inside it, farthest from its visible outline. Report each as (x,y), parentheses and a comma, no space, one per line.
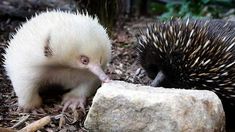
(191,54)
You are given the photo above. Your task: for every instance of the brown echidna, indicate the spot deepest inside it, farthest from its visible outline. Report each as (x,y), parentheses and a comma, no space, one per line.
(198,54)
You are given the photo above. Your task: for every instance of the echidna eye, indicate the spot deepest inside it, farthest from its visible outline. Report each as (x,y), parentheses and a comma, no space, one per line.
(84,60)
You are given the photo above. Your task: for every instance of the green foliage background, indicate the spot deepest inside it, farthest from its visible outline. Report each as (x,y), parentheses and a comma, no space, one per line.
(193,8)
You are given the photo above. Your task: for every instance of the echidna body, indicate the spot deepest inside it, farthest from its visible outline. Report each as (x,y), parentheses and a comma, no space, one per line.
(190,53)
(69,49)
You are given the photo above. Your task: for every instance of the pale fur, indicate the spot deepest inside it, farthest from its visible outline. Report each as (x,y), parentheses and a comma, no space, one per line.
(69,35)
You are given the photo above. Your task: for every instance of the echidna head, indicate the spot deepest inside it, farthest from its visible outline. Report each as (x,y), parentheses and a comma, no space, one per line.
(159,66)
(81,43)
(162,70)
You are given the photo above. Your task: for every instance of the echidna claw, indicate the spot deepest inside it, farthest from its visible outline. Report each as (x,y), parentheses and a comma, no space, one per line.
(75,103)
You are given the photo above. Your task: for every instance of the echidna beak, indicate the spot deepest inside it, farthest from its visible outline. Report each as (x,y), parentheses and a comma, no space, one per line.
(158,79)
(97,70)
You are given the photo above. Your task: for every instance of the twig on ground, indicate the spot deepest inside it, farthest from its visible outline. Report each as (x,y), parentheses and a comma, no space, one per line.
(37,124)
(22,120)
(6,130)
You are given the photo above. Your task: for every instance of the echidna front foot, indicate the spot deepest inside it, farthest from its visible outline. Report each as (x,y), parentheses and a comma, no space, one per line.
(74,103)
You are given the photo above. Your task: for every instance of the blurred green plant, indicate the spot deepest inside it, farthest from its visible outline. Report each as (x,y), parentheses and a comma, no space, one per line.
(156,8)
(193,8)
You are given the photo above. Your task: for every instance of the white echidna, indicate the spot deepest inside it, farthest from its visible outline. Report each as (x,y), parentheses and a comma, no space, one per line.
(55,47)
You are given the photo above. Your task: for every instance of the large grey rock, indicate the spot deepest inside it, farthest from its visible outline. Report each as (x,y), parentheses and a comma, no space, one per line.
(120,106)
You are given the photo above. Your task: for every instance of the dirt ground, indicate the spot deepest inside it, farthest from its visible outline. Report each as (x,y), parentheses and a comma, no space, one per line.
(123,66)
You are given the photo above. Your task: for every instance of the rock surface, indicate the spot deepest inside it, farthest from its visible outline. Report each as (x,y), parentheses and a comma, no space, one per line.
(121,106)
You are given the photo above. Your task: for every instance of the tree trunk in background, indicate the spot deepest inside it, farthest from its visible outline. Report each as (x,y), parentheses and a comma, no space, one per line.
(106,10)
